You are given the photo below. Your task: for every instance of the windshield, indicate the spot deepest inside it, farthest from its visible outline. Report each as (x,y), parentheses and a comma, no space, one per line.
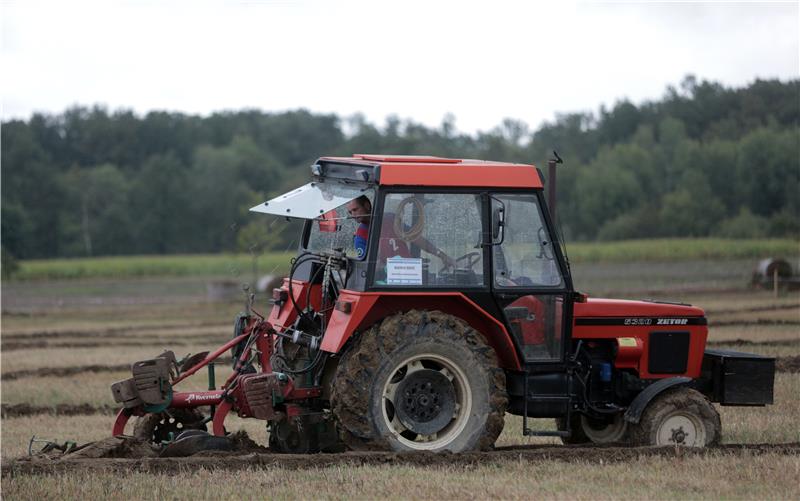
(324,205)
(311,200)
(339,231)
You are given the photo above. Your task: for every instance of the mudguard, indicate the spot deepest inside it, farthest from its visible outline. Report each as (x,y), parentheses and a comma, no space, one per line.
(634,412)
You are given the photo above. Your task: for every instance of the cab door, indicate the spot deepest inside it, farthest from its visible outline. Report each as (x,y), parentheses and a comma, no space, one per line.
(529,283)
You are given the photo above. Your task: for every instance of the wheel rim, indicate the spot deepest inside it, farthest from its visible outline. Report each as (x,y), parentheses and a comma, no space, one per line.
(167,426)
(681,428)
(426,402)
(602,432)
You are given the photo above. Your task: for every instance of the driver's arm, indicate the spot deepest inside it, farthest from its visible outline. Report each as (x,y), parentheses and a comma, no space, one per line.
(360,241)
(428,247)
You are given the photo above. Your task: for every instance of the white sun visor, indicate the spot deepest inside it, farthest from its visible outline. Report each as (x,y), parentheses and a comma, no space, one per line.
(310,201)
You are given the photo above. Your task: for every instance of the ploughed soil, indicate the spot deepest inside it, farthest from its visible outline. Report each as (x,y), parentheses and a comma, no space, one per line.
(79,369)
(113,332)
(749,342)
(758,321)
(22,410)
(785,364)
(43,343)
(753,309)
(63,371)
(127,454)
(788,364)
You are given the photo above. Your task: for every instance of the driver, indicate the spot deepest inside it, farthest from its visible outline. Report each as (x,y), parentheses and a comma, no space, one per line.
(390,245)
(360,209)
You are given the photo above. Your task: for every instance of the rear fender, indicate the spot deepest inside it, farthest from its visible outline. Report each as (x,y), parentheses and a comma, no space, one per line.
(357,311)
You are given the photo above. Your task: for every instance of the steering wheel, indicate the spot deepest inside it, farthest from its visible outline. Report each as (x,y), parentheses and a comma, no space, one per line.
(470,259)
(544,251)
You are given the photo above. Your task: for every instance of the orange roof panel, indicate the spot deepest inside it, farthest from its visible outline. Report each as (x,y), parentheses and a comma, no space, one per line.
(408,159)
(414,170)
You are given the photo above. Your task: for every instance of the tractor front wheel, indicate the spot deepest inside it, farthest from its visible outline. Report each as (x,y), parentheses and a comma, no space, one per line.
(419,381)
(679,417)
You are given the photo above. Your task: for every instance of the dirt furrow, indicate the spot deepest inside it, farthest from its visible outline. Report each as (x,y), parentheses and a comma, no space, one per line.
(62,371)
(44,344)
(770,307)
(789,363)
(74,370)
(114,332)
(24,410)
(224,461)
(750,342)
(758,321)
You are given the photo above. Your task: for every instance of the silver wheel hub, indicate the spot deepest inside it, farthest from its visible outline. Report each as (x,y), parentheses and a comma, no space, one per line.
(681,428)
(426,402)
(678,436)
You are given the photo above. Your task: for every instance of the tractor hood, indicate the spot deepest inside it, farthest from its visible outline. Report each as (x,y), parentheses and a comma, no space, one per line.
(625,308)
(311,200)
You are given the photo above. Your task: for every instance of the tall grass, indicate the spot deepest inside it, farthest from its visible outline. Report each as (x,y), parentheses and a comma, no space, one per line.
(145,266)
(674,249)
(682,249)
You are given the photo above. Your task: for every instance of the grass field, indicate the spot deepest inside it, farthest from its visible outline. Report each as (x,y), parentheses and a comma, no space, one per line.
(232,265)
(708,477)
(681,249)
(118,267)
(92,327)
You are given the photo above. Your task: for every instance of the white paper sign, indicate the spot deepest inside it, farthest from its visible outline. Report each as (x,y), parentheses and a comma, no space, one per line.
(404,271)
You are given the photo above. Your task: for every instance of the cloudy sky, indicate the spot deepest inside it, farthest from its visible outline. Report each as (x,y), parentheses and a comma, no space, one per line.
(479,61)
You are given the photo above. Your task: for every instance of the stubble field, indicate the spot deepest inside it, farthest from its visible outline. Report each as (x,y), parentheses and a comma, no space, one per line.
(64,343)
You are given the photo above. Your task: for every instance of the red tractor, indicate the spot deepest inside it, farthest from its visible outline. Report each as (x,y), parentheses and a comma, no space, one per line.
(430,297)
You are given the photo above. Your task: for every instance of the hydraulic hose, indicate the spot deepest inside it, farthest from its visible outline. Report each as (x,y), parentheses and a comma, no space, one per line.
(302,258)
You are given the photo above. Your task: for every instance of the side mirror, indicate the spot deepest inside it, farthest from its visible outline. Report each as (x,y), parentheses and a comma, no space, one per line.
(498,225)
(327,222)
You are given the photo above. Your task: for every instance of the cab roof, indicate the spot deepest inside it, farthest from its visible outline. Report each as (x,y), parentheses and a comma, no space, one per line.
(416,170)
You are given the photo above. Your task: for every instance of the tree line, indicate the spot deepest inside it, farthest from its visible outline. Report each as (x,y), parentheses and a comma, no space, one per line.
(703,160)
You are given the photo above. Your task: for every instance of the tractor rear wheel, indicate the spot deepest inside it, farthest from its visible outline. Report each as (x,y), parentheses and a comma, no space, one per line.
(419,380)
(680,417)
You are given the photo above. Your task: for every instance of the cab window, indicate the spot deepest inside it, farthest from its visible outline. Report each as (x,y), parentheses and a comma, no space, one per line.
(431,239)
(526,257)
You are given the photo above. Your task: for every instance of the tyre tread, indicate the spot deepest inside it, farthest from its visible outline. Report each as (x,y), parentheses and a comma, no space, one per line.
(355,373)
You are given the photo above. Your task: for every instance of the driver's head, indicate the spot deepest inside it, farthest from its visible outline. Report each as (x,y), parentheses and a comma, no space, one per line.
(360,209)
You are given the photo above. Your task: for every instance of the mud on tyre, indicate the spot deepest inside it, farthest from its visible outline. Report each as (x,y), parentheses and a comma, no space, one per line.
(681,417)
(419,381)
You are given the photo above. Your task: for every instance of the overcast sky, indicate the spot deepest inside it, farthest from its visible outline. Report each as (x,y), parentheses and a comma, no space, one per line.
(480,61)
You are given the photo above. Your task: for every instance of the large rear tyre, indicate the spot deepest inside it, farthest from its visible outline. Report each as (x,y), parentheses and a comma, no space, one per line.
(419,381)
(679,417)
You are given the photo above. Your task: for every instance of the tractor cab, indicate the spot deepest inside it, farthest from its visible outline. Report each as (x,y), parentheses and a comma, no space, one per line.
(434,226)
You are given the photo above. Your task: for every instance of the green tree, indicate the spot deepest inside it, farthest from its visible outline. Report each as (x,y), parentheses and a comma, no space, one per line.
(692,209)
(99,210)
(743,225)
(160,218)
